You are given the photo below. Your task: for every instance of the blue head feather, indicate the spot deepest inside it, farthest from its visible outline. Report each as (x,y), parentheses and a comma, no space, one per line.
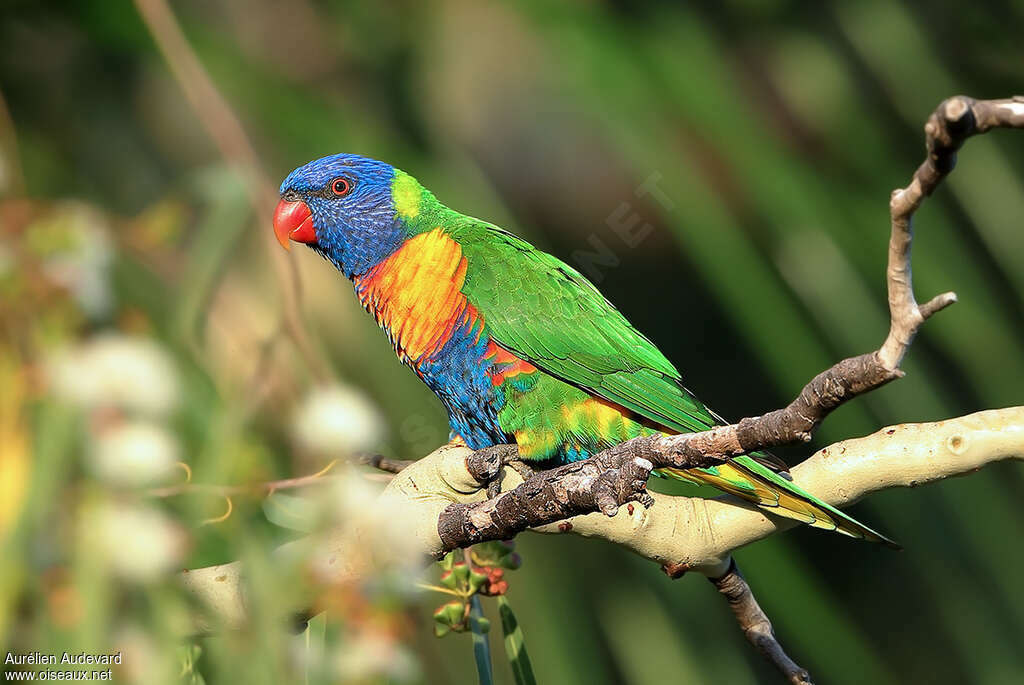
(355,231)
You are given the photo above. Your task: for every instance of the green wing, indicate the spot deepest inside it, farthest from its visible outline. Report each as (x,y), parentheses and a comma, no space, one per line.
(544,311)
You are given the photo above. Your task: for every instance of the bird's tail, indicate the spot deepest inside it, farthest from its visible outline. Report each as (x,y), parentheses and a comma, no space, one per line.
(750,480)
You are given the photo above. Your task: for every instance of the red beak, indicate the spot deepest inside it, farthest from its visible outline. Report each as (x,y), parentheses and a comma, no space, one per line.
(293,221)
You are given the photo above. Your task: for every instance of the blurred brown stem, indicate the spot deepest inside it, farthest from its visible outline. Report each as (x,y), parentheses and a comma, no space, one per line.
(377,461)
(227,133)
(14,183)
(383,463)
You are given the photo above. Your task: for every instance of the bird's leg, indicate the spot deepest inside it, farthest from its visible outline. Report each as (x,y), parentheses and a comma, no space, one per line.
(511,460)
(485,465)
(494,488)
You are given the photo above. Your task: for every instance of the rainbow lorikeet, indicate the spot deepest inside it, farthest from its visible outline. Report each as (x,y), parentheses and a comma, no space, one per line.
(518,346)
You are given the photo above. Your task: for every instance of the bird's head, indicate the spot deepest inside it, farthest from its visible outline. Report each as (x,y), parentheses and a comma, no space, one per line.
(344,207)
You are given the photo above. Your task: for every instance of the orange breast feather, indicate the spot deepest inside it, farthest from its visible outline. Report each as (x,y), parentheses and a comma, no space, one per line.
(415,294)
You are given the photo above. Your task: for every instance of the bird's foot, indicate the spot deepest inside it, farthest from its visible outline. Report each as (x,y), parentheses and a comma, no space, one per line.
(485,465)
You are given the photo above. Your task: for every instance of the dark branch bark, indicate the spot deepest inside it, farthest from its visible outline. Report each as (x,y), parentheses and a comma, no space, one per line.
(953,121)
(601,483)
(794,423)
(755,624)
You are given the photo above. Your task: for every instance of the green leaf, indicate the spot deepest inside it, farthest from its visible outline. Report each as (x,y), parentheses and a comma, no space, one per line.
(188,655)
(450,616)
(481,649)
(448,561)
(515,647)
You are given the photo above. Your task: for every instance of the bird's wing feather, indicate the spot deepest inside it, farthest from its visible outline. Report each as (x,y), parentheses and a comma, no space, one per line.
(571,331)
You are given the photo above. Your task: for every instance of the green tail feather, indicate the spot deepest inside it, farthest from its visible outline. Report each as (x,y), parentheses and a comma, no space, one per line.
(744,477)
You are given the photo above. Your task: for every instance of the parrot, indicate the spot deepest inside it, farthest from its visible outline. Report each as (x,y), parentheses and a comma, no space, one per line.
(518,346)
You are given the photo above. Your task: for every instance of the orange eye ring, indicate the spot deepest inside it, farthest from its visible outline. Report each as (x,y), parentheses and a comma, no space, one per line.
(340,186)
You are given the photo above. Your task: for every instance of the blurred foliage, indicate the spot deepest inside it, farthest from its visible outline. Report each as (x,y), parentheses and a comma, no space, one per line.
(775,130)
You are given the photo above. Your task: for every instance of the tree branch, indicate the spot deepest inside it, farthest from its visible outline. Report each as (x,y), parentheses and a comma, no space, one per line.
(953,121)
(692,533)
(679,533)
(755,624)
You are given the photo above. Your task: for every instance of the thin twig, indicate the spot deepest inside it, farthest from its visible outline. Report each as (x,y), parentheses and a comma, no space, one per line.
(953,121)
(267,487)
(382,463)
(13,180)
(223,517)
(264,488)
(755,624)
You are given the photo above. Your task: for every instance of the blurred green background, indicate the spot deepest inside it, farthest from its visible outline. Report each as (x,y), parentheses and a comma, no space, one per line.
(142,309)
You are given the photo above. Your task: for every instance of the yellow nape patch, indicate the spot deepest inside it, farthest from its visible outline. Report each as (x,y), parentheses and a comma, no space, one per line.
(407,194)
(415,294)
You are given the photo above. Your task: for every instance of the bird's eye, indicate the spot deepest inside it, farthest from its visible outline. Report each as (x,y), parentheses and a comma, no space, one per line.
(340,186)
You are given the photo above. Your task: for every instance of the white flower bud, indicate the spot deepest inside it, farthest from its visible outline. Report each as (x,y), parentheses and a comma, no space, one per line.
(139,543)
(133,454)
(113,370)
(335,421)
